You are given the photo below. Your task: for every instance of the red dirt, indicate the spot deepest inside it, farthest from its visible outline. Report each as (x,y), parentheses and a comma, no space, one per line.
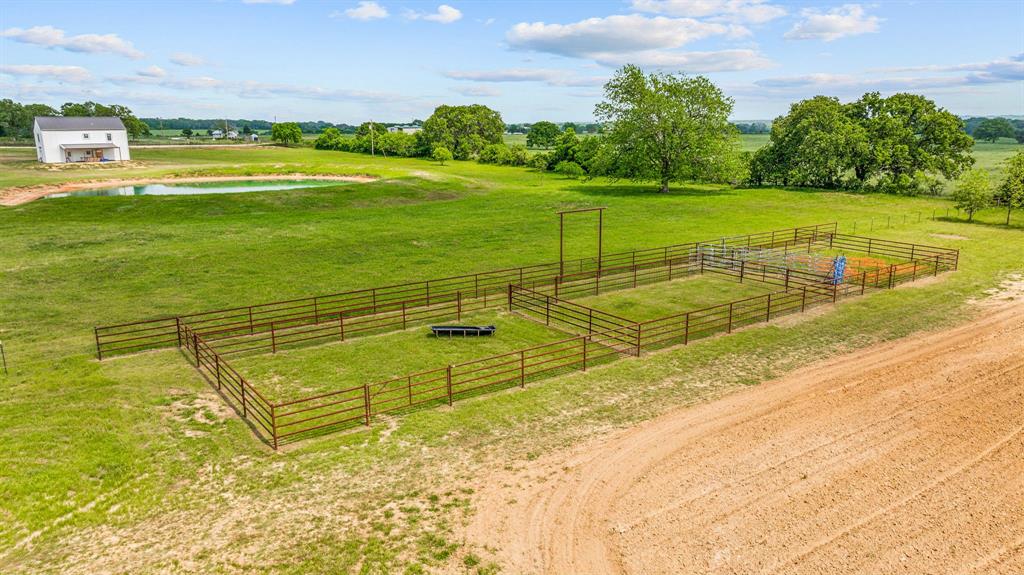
(906,457)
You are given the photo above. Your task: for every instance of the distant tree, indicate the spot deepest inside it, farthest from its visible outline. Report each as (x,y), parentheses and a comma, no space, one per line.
(1011,191)
(187,132)
(246,130)
(1019,135)
(463,130)
(567,145)
(542,134)
(286,133)
(329,139)
(571,126)
(441,154)
(134,126)
(991,129)
(667,128)
(571,170)
(209,131)
(972,192)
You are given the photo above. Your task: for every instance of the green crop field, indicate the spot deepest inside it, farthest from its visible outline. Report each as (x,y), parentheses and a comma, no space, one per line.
(134,464)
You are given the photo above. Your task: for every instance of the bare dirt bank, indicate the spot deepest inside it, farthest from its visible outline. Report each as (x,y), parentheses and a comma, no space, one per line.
(905,457)
(16,196)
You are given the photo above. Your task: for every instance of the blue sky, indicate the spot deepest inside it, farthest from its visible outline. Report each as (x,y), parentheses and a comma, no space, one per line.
(395,61)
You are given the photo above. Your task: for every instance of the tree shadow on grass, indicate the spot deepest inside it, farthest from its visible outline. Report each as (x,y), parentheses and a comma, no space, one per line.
(649,190)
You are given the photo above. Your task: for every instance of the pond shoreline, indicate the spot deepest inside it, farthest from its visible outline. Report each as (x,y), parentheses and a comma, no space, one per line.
(23,195)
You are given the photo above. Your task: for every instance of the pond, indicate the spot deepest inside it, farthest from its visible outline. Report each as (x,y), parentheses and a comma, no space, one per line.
(221,187)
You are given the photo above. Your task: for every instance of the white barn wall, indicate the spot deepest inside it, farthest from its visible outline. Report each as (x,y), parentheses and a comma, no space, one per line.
(48,143)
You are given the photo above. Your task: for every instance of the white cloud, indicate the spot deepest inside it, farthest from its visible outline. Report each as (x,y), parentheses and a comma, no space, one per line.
(611,34)
(638,39)
(479,91)
(188,60)
(363,11)
(1006,69)
(445,14)
(51,37)
(752,11)
(59,73)
(839,22)
(153,72)
(547,76)
(279,2)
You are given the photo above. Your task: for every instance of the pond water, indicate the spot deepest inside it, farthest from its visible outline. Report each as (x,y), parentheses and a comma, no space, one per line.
(222,187)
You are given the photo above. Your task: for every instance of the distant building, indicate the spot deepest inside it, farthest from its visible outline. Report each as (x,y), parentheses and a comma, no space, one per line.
(67,140)
(405,129)
(254,137)
(216,134)
(232,134)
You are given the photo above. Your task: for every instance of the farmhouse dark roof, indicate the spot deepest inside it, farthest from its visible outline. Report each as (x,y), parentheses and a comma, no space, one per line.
(76,123)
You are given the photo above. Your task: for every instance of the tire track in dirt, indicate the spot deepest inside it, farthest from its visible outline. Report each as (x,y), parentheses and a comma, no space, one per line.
(904,456)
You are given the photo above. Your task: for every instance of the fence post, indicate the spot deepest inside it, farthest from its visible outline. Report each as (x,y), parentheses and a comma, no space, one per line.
(458,305)
(936,264)
(403,315)
(590,320)
(584,340)
(634,269)
(787,279)
(366,404)
(316,312)
(195,346)
(3,357)
(177,328)
(743,267)
(449,379)
(863,281)
(216,367)
(892,270)
(250,321)
(768,314)
(273,424)
(547,310)
(341,323)
(522,369)
(99,352)
(729,328)
(639,327)
(702,262)
(669,270)
(835,292)
(803,300)
(408,386)
(245,406)
(273,339)
(509,297)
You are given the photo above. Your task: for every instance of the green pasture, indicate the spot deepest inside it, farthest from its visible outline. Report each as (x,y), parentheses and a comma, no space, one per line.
(133,464)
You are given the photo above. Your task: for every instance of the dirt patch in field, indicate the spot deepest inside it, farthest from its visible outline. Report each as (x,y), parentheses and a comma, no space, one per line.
(950,237)
(908,455)
(22,195)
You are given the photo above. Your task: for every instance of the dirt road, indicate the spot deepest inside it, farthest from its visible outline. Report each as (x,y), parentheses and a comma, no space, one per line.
(904,458)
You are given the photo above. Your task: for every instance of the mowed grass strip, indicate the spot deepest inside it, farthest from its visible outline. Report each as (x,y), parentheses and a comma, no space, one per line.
(297,373)
(677,296)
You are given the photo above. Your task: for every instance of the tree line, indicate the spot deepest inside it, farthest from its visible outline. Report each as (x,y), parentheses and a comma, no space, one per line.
(16,119)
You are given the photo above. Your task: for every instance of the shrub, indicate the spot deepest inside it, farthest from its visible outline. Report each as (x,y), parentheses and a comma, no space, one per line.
(539,162)
(441,154)
(570,170)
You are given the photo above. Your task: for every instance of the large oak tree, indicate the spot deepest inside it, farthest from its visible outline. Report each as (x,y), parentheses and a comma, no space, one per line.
(666,128)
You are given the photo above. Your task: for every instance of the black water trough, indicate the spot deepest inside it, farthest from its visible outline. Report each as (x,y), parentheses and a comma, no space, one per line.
(474,330)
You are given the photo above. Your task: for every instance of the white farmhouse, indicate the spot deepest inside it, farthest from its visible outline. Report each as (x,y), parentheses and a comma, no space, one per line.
(65,140)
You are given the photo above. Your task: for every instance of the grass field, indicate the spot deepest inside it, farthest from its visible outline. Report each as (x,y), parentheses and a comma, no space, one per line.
(134,464)
(663,299)
(300,373)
